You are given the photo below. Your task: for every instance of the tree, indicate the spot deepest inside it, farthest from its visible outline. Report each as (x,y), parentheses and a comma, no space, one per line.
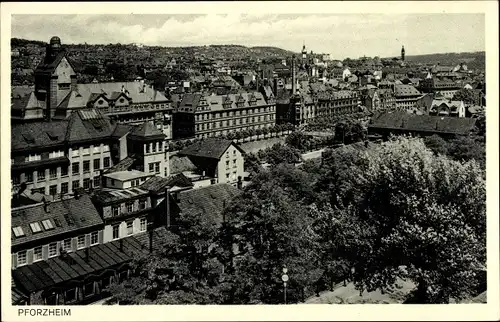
(465,148)
(298,140)
(280,153)
(437,144)
(466,95)
(420,218)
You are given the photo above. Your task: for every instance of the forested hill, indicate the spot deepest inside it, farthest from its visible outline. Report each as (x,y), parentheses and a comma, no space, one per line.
(474,60)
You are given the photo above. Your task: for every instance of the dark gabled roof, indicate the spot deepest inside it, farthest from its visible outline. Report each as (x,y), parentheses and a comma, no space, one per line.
(121,129)
(423,123)
(180,164)
(112,195)
(123,165)
(45,274)
(88,125)
(160,236)
(158,184)
(33,135)
(49,66)
(405,90)
(208,201)
(212,148)
(66,215)
(146,130)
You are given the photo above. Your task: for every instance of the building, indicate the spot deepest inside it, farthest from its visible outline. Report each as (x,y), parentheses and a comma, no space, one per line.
(379,99)
(55,158)
(403,53)
(57,94)
(444,87)
(446,107)
(400,122)
(204,116)
(406,97)
(219,159)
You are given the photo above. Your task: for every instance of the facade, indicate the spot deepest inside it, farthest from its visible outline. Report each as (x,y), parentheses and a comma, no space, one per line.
(57,94)
(216,158)
(55,158)
(446,88)
(203,116)
(406,98)
(444,107)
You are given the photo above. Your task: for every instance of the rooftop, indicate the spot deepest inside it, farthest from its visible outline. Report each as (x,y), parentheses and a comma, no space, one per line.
(127,175)
(212,148)
(112,195)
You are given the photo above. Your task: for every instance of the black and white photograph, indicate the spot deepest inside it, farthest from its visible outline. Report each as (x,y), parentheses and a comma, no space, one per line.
(248,159)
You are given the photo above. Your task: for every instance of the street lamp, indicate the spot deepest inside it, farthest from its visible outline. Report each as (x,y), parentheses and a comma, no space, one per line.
(284,277)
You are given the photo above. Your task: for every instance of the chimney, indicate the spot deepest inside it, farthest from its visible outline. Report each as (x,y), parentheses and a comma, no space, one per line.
(76,194)
(240,183)
(294,81)
(74,86)
(87,254)
(46,204)
(101,178)
(151,241)
(167,206)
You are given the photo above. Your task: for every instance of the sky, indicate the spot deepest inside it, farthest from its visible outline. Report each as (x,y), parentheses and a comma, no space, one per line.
(341,35)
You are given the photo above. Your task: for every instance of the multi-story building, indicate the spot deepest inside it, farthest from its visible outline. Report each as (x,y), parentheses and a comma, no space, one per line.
(380,99)
(337,103)
(446,88)
(446,107)
(216,158)
(203,116)
(407,98)
(57,94)
(55,158)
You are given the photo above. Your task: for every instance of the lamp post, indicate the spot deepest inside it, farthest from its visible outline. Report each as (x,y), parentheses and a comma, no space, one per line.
(284,277)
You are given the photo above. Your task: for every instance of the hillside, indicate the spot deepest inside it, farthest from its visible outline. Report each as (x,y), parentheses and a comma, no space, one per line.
(474,60)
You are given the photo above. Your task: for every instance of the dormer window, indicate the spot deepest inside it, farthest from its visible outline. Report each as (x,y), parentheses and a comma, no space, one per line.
(35,227)
(100,102)
(122,100)
(18,231)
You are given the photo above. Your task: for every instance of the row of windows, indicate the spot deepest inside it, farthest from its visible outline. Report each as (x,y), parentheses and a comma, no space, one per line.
(240,121)
(75,166)
(53,251)
(143,223)
(339,103)
(129,206)
(86,150)
(209,116)
(223,132)
(154,147)
(64,187)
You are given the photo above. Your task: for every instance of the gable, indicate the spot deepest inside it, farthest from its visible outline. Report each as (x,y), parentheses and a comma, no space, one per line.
(64,71)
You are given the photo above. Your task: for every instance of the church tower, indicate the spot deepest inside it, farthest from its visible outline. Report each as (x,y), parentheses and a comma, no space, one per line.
(403,53)
(304,54)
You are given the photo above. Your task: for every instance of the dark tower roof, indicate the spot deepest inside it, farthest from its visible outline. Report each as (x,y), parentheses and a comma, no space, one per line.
(403,49)
(55,41)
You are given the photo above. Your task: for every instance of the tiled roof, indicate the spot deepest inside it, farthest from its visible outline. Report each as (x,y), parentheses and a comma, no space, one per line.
(405,90)
(423,123)
(122,165)
(112,195)
(49,65)
(158,184)
(88,125)
(121,129)
(209,148)
(66,215)
(179,164)
(208,201)
(75,265)
(32,135)
(190,102)
(146,130)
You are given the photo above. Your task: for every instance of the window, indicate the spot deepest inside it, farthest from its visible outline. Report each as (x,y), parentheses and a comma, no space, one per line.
(37,254)
(80,243)
(227,175)
(142,204)
(144,224)
(56,154)
(53,190)
(86,183)
(97,164)
(41,175)
(94,238)
(153,147)
(147,147)
(53,173)
(21,258)
(70,295)
(75,168)
(16,179)
(106,162)
(75,184)
(97,181)
(67,245)
(86,166)
(35,227)
(130,206)
(130,228)
(88,289)
(33,157)
(64,188)
(234,163)
(64,171)
(75,153)
(29,177)
(116,231)
(157,167)
(47,224)
(52,250)
(18,231)
(115,210)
